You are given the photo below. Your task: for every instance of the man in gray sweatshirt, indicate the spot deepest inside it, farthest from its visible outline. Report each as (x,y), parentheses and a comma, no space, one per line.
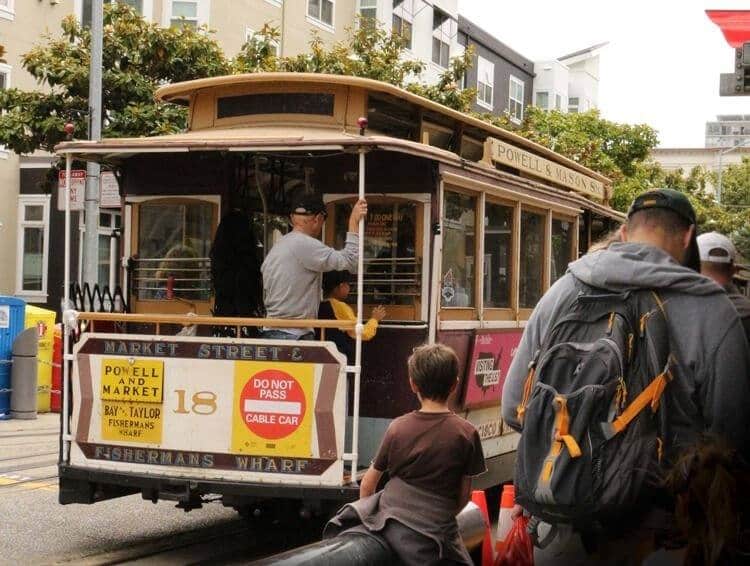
(710,391)
(293,268)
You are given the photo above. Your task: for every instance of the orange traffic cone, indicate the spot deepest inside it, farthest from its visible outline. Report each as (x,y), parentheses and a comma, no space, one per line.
(504,520)
(479,499)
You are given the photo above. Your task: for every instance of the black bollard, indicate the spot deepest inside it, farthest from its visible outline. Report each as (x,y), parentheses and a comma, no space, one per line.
(353,548)
(347,549)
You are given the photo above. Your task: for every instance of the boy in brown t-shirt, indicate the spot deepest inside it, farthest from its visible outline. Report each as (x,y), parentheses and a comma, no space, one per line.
(430,456)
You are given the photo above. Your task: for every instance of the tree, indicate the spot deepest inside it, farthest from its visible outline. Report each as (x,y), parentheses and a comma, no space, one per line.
(370,52)
(138,57)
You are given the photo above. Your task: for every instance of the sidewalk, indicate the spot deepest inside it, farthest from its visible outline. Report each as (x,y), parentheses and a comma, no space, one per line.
(44,421)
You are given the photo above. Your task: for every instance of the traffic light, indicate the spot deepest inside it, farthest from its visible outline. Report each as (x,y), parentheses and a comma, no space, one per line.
(737,83)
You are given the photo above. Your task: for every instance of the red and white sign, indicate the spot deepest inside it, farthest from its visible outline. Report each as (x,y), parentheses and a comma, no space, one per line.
(272,404)
(77,189)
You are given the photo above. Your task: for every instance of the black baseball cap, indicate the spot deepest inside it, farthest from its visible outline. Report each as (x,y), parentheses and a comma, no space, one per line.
(332,279)
(308,205)
(678,203)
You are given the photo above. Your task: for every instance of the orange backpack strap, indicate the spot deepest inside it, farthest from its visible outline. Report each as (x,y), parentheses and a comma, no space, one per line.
(528,386)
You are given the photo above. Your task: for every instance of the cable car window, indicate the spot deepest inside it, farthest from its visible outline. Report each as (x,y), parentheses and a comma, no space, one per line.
(275,103)
(498,241)
(392,273)
(562,247)
(531,262)
(459,225)
(174,241)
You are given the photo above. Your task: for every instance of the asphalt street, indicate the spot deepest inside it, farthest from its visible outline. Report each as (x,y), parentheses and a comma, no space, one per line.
(35,529)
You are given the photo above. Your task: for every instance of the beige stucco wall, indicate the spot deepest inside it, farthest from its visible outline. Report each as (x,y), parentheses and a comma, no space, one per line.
(31,21)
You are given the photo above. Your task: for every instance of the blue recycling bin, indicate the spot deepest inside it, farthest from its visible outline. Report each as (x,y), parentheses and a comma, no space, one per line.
(12,319)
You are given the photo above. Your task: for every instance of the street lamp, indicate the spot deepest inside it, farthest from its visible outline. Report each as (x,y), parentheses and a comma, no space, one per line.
(721,154)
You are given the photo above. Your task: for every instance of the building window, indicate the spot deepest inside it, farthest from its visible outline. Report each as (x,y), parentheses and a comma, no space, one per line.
(142,7)
(485,83)
(459,237)
(33,241)
(184,13)
(368,12)
(498,255)
(562,248)
(531,264)
(7,9)
(573,105)
(174,241)
(321,11)
(542,100)
(441,38)
(402,20)
(515,100)
(109,222)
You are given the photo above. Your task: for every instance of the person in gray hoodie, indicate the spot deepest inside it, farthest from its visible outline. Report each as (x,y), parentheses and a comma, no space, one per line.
(293,269)
(711,389)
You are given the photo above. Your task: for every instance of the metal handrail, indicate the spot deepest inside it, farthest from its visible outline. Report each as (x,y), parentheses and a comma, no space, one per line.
(190,320)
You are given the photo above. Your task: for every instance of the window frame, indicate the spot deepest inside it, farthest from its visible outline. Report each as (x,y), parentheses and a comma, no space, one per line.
(481,61)
(148,9)
(463,313)
(8,12)
(573,240)
(536,99)
(203,11)
(25,200)
(406,16)
(515,81)
(422,245)
(503,313)
(318,21)
(574,108)
(361,7)
(443,36)
(546,214)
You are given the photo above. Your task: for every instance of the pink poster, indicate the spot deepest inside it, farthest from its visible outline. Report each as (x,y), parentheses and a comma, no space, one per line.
(488,366)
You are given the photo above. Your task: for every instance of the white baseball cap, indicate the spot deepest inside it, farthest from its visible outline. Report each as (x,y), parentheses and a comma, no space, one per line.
(716,248)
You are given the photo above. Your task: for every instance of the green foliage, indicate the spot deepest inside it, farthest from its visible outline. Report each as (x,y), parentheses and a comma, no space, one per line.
(369,51)
(741,239)
(617,151)
(447,91)
(138,57)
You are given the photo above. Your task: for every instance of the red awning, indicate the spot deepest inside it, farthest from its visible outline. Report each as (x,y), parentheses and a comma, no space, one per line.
(735,24)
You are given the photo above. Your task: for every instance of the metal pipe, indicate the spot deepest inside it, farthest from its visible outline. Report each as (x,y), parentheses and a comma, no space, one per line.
(358,328)
(366,549)
(65,307)
(91,236)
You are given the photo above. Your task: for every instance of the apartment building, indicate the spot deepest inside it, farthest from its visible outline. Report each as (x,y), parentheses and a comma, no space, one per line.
(429,28)
(503,78)
(29,216)
(569,83)
(24,217)
(729,130)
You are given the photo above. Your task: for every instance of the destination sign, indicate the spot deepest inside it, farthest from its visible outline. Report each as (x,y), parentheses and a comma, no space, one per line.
(496,151)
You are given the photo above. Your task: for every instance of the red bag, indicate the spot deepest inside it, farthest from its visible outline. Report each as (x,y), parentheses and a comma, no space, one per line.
(518,549)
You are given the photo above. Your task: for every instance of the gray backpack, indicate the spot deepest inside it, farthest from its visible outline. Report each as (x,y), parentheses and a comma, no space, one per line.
(593,421)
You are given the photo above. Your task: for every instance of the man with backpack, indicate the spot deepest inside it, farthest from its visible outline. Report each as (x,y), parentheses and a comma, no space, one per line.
(626,360)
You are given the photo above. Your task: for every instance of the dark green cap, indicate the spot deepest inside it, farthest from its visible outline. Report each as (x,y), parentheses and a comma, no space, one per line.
(664,198)
(678,203)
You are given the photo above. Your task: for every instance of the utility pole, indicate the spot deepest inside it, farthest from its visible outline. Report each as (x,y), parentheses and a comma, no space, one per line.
(91,207)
